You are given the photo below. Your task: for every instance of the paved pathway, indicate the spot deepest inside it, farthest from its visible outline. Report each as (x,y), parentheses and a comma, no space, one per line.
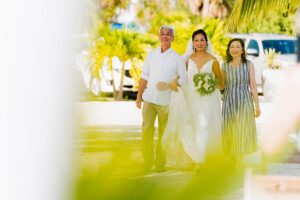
(116,125)
(125,113)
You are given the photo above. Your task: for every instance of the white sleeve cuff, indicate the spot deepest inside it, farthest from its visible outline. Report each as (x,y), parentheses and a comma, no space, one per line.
(144,76)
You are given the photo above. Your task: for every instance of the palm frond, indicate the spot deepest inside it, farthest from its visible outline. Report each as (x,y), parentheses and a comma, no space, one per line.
(246,10)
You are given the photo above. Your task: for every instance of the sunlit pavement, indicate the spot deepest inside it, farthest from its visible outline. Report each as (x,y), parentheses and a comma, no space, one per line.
(123,118)
(125,113)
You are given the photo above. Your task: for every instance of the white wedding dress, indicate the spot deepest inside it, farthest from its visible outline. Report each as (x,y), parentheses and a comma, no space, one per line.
(194,125)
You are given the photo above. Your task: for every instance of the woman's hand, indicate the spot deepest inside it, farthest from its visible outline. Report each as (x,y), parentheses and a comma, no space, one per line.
(163,86)
(174,85)
(257,111)
(166,86)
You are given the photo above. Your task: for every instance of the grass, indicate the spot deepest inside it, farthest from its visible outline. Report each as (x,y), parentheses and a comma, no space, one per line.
(109,168)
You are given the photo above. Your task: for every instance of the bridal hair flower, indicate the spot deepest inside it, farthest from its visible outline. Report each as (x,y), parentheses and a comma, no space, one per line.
(205,83)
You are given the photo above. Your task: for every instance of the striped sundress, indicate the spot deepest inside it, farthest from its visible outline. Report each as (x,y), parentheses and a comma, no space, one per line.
(238,126)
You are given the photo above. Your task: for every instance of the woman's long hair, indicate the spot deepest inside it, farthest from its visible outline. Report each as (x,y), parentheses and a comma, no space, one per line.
(243,56)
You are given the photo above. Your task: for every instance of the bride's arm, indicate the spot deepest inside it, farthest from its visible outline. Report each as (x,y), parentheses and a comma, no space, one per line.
(218,74)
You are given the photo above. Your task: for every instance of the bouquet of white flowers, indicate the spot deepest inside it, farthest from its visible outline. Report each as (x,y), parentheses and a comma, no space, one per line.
(205,83)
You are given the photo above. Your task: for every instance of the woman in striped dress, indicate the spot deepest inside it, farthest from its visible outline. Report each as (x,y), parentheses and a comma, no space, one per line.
(238,110)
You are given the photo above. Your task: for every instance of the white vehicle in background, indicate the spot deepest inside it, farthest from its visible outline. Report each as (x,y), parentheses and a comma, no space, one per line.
(257,43)
(105,83)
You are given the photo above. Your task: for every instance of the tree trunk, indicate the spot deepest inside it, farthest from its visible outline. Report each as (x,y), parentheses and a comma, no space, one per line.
(194,7)
(113,78)
(95,76)
(120,94)
(205,11)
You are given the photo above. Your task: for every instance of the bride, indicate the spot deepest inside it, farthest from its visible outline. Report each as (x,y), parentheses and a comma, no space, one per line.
(194,126)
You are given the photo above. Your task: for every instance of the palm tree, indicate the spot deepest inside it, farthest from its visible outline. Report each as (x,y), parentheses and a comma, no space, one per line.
(100,53)
(126,45)
(215,31)
(108,8)
(205,11)
(129,45)
(246,10)
(271,55)
(135,72)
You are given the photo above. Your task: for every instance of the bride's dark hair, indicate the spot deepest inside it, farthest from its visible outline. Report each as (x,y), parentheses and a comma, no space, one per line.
(199,31)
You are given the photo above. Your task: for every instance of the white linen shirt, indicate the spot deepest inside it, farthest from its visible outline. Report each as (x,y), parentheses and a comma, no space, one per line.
(162,67)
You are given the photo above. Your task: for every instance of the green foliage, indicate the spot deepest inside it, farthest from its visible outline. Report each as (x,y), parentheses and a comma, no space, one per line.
(230,3)
(181,23)
(205,83)
(129,45)
(135,72)
(217,35)
(280,23)
(100,49)
(110,167)
(108,8)
(245,11)
(185,25)
(271,56)
(124,44)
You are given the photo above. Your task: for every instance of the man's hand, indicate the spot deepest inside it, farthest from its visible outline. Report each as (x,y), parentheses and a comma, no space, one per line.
(174,85)
(163,86)
(138,102)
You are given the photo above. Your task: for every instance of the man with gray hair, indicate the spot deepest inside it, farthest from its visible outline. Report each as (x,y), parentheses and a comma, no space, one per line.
(162,68)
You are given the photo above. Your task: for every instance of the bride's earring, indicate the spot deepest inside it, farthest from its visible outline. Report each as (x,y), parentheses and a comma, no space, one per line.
(194,49)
